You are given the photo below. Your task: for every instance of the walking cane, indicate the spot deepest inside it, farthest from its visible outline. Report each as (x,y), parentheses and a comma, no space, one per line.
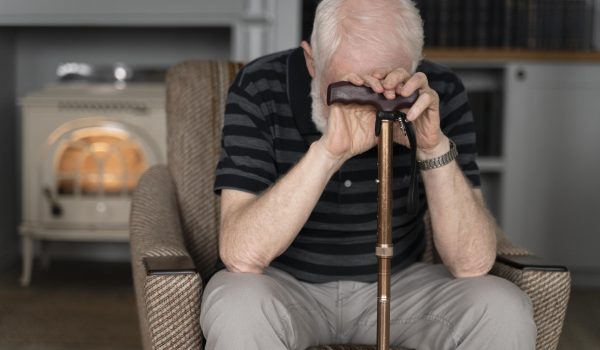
(388,112)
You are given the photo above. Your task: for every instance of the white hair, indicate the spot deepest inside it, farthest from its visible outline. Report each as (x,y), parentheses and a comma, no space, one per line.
(318,106)
(387,25)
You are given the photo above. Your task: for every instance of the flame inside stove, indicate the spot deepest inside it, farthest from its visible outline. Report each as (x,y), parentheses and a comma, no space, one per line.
(99,160)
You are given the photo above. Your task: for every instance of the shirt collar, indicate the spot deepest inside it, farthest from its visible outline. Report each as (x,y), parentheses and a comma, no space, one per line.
(298,91)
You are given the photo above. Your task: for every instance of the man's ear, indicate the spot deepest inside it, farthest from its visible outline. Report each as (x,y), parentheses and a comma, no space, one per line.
(308,57)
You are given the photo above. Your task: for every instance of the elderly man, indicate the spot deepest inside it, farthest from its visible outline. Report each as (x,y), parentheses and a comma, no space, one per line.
(298,200)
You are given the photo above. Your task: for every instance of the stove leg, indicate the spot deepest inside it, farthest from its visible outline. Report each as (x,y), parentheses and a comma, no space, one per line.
(27,255)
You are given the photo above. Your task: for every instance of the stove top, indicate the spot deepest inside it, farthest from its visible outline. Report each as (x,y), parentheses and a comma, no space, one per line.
(115,73)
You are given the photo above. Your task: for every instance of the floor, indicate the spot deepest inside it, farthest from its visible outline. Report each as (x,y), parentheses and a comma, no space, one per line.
(582,324)
(86,305)
(72,305)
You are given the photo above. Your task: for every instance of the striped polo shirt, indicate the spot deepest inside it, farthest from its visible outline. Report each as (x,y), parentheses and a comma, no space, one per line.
(268,128)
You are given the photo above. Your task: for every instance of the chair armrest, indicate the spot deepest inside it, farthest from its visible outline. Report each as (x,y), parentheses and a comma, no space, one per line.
(169,265)
(172,311)
(548,287)
(167,286)
(155,227)
(529,262)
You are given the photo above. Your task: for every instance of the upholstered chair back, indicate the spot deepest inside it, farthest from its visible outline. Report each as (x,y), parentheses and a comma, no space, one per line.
(196,94)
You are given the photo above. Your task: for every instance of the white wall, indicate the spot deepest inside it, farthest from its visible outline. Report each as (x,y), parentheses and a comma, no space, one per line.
(39,50)
(552,191)
(121,12)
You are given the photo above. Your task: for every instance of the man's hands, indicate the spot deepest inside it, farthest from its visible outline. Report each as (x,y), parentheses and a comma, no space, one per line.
(424,113)
(350,128)
(350,131)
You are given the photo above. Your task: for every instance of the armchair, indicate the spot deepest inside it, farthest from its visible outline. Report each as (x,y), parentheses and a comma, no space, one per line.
(175,220)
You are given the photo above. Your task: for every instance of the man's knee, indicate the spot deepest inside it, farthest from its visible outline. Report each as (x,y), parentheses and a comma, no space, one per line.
(499,309)
(243,310)
(237,295)
(498,298)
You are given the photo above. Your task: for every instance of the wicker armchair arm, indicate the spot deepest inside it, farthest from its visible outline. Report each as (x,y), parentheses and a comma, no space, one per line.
(529,262)
(167,286)
(155,227)
(547,285)
(169,265)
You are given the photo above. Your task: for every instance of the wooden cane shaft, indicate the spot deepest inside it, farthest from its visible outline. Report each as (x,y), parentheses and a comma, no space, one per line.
(384,248)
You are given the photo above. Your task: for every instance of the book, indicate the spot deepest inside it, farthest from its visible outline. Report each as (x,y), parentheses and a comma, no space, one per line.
(574,24)
(595,25)
(482,19)
(521,21)
(455,20)
(443,20)
(508,30)
(553,30)
(468,23)
(428,11)
(532,25)
(496,24)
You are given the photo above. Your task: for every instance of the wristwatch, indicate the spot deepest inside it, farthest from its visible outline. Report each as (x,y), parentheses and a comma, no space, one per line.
(440,161)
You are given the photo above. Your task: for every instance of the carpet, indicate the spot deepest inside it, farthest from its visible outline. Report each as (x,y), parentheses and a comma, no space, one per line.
(71,305)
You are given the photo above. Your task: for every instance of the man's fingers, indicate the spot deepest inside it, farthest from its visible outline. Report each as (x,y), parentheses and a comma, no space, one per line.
(416,82)
(396,77)
(354,79)
(397,82)
(373,83)
(394,81)
(427,98)
(379,73)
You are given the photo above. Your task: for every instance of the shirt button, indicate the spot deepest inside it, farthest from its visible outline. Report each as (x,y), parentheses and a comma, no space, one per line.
(347,183)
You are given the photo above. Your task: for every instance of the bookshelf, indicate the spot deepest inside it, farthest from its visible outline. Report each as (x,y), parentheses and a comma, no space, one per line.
(484,56)
(521,24)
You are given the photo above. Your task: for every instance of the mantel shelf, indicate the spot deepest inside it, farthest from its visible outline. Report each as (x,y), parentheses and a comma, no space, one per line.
(501,55)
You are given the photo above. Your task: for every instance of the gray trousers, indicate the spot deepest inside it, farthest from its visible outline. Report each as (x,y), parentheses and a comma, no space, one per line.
(429,310)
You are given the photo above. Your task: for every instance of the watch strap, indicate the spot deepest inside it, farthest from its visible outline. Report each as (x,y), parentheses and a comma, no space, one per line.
(440,161)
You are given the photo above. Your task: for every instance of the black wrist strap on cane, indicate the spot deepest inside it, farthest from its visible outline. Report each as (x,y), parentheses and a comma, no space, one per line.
(412,200)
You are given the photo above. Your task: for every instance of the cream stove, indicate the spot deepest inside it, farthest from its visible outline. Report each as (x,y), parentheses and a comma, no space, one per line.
(84,147)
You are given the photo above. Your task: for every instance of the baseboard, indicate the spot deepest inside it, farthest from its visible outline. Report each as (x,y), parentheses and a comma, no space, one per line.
(108,252)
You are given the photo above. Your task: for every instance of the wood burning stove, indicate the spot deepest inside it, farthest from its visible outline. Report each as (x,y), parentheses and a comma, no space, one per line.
(84,147)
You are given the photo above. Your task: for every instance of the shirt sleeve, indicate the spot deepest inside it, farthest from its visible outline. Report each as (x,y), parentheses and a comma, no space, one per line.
(457,122)
(247,161)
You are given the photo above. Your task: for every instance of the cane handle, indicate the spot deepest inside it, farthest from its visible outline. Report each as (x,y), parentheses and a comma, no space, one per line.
(346,93)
